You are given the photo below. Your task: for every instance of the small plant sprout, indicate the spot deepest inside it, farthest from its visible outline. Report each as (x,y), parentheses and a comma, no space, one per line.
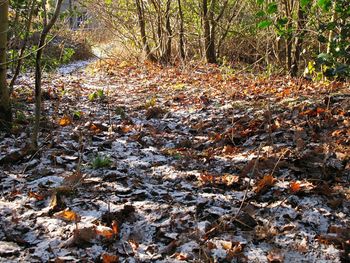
(101,161)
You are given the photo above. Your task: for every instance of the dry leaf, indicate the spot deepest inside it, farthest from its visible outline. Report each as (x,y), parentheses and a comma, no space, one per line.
(295,187)
(181,256)
(226,245)
(36,196)
(115,227)
(134,244)
(229,150)
(65,121)
(105,232)
(230,179)
(207,179)
(68,215)
(84,235)
(265,183)
(108,258)
(275,256)
(94,128)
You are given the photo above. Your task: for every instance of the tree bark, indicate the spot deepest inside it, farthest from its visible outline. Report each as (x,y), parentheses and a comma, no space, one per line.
(167,53)
(209,31)
(31,6)
(302,20)
(142,25)
(44,33)
(5,104)
(181,32)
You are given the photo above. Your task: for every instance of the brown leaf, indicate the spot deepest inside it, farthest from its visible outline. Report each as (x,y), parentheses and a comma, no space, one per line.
(229,150)
(65,121)
(115,227)
(275,256)
(181,256)
(265,183)
(36,196)
(105,232)
(230,179)
(84,235)
(207,179)
(68,215)
(108,258)
(295,187)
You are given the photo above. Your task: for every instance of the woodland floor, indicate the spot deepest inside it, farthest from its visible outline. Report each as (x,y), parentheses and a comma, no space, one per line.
(200,165)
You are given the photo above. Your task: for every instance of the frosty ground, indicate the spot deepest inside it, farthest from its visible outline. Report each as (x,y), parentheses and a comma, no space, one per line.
(140,163)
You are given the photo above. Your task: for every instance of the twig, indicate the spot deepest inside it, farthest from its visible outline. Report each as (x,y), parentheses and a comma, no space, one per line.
(249,181)
(35,153)
(278,161)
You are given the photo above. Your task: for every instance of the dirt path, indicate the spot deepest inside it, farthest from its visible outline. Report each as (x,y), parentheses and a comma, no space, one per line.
(157,165)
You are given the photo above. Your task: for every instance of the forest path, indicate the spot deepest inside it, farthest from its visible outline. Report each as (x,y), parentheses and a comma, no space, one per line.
(166,156)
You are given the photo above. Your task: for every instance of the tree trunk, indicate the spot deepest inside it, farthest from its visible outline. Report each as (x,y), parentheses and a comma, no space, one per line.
(44,33)
(167,54)
(181,32)
(142,25)
(288,40)
(31,6)
(5,105)
(302,20)
(331,32)
(209,32)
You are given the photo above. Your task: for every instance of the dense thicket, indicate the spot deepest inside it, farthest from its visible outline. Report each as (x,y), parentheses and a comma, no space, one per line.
(288,35)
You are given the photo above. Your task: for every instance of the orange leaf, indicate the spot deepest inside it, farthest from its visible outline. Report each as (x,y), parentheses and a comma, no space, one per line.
(228,149)
(295,187)
(320,110)
(115,227)
(36,196)
(105,232)
(266,182)
(94,128)
(207,178)
(68,215)
(65,121)
(107,258)
(15,192)
(309,113)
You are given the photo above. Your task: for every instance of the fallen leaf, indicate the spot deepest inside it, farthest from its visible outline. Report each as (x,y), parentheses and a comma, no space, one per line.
(294,187)
(105,232)
(68,215)
(181,256)
(115,227)
(266,182)
(275,256)
(84,235)
(226,245)
(108,258)
(36,196)
(230,179)
(65,121)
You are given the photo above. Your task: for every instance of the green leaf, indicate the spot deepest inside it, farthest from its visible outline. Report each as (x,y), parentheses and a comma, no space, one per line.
(324,58)
(281,22)
(264,24)
(304,3)
(272,8)
(325,4)
(261,13)
(260,2)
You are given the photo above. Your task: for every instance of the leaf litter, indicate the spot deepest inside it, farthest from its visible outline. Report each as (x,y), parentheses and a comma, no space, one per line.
(141,163)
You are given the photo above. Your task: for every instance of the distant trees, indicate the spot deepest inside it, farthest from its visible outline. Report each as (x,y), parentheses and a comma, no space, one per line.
(5,105)
(284,35)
